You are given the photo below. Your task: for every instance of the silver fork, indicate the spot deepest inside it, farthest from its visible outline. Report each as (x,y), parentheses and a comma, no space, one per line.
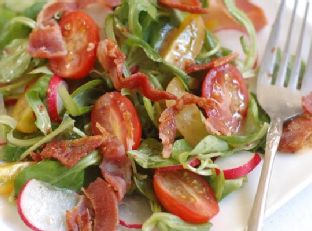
(280,100)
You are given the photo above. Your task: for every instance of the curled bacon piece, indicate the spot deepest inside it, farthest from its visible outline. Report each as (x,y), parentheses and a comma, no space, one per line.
(112,59)
(167,127)
(105,205)
(79,218)
(167,130)
(214,63)
(69,152)
(116,166)
(219,18)
(297,133)
(307,103)
(117,173)
(46,40)
(191,6)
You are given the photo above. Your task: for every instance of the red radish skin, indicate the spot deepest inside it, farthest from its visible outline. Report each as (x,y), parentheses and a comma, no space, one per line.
(130,226)
(53,99)
(34,215)
(193,163)
(241,170)
(19,209)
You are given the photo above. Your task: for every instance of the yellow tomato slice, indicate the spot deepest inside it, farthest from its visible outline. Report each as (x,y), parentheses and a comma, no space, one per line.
(24,116)
(184,43)
(189,120)
(8,172)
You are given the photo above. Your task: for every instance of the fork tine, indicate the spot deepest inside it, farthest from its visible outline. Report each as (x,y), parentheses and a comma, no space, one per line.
(268,60)
(306,85)
(281,76)
(293,82)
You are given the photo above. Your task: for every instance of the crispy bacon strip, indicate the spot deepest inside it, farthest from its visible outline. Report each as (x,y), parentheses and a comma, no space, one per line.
(167,124)
(47,42)
(69,152)
(112,59)
(191,6)
(118,174)
(218,17)
(307,104)
(115,166)
(80,218)
(105,205)
(214,63)
(297,134)
(167,130)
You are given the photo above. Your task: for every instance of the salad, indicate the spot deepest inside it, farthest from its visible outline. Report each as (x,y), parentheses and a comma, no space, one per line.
(128,114)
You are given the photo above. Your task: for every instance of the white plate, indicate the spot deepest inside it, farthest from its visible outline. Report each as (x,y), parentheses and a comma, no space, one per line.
(291,173)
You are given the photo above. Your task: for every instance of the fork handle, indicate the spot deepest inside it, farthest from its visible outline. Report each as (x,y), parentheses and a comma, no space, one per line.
(273,138)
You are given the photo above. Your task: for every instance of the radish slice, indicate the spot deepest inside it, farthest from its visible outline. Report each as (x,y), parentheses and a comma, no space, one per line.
(55,103)
(43,206)
(238,165)
(134,210)
(193,163)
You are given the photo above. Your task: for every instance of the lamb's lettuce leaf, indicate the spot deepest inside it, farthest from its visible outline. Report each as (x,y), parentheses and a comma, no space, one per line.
(56,174)
(166,221)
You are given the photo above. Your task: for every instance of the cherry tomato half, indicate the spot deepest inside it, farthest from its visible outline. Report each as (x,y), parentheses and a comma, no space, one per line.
(226,85)
(117,115)
(186,195)
(81,35)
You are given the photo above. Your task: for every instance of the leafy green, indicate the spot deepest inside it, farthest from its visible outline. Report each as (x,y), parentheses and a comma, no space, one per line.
(145,187)
(154,56)
(232,185)
(34,96)
(33,10)
(254,131)
(22,142)
(148,155)
(5,16)
(80,101)
(137,11)
(66,124)
(19,5)
(12,31)
(249,48)
(167,222)
(11,153)
(54,173)
(217,182)
(14,61)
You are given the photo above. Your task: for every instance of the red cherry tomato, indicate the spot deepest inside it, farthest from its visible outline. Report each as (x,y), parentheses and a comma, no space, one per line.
(186,195)
(117,115)
(226,85)
(81,35)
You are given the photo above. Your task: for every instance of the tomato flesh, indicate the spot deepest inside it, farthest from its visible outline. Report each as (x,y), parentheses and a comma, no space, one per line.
(81,35)
(186,195)
(226,85)
(118,116)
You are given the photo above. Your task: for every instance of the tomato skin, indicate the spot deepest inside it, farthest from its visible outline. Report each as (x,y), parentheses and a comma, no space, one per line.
(226,85)
(186,195)
(81,35)
(118,116)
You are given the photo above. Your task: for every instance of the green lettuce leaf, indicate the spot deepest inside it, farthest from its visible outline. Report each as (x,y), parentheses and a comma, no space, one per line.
(167,222)
(34,96)
(14,61)
(56,174)
(67,124)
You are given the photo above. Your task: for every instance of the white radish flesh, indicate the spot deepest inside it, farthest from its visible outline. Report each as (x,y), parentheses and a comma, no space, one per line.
(43,206)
